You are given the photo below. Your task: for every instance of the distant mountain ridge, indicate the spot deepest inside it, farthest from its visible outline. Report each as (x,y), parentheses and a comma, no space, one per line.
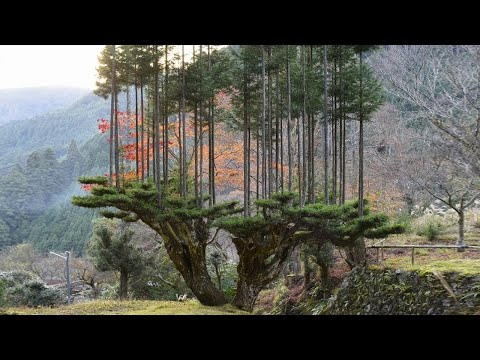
(23,103)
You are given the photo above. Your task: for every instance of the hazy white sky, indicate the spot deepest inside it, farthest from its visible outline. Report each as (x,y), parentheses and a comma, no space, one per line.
(42,65)
(45,65)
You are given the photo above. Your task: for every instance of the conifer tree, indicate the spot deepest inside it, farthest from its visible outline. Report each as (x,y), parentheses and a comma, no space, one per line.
(111,248)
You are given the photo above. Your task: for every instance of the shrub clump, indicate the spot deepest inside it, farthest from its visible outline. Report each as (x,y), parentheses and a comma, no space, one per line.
(21,289)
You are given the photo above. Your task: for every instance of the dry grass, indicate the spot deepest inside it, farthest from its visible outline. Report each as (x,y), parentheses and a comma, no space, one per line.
(439,260)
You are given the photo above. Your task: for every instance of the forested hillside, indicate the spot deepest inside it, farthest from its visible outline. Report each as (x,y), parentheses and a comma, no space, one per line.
(53,130)
(24,103)
(34,198)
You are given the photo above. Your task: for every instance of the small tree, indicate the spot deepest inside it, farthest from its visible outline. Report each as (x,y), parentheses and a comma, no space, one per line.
(111,248)
(449,182)
(24,257)
(88,274)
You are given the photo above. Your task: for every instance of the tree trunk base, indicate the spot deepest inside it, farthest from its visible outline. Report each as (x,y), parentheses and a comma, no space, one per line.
(246,296)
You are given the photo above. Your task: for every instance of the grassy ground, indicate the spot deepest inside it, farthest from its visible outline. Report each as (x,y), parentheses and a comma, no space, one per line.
(137,307)
(429,259)
(463,266)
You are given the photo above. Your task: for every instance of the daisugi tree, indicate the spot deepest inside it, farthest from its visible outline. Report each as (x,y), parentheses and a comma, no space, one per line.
(267,121)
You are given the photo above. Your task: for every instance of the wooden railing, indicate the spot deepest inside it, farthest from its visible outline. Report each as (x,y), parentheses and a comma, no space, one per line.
(379,247)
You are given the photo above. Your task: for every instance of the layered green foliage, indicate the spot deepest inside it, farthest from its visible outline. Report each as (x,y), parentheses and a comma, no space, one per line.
(111,247)
(140,199)
(338,224)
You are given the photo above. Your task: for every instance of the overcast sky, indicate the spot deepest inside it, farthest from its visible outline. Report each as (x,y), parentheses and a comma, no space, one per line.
(42,65)
(46,65)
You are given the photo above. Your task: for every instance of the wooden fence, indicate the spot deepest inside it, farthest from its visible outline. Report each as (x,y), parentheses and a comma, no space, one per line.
(379,247)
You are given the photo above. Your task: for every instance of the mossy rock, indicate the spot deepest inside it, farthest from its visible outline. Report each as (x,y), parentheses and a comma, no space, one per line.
(446,287)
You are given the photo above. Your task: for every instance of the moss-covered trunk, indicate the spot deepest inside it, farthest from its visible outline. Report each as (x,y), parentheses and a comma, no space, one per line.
(324,274)
(186,247)
(247,293)
(357,254)
(261,261)
(191,263)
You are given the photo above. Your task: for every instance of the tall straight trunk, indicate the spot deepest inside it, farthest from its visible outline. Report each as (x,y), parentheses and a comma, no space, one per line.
(112,116)
(246,148)
(123,284)
(340,159)
(269,129)
(195,135)
(354,173)
(264,116)
(299,151)
(334,155)
(358,252)
(282,172)
(209,120)
(148,133)
(137,167)
(143,129)
(212,123)
(211,141)
(277,134)
(304,149)
(249,178)
(325,124)
(195,148)
(334,131)
(289,119)
(154,138)
(344,157)
(360,145)
(161,120)
(156,142)
(122,132)
(180,145)
(311,196)
(165,129)
(257,188)
(179,139)
(200,180)
(340,121)
(184,137)
(299,161)
(117,145)
(312,139)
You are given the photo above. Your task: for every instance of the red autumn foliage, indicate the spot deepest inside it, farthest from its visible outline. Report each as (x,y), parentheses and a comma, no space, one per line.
(228,150)
(87,187)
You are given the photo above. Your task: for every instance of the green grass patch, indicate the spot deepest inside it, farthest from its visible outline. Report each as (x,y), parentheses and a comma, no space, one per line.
(134,307)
